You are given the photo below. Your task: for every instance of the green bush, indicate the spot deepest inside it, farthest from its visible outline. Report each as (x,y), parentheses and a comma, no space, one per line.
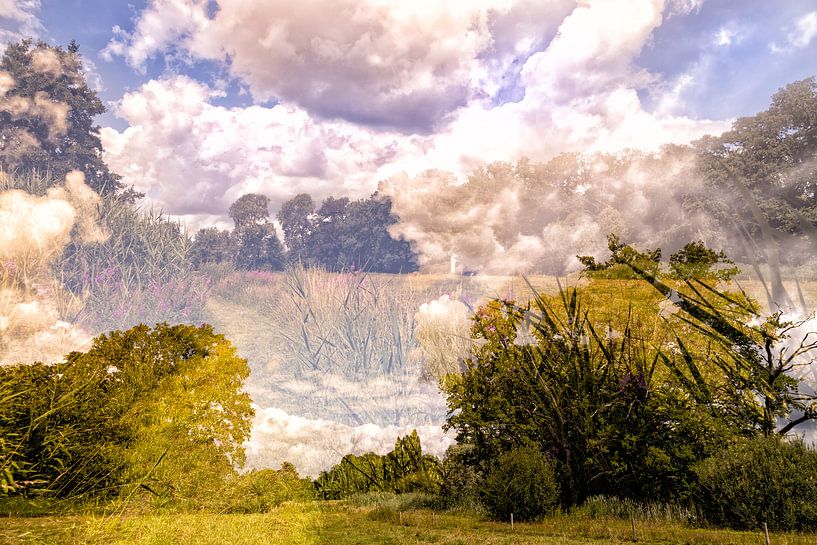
(763,480)
(260,491)
(521,482)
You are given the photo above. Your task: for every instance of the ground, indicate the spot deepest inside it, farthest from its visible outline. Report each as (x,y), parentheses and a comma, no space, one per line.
(343,524)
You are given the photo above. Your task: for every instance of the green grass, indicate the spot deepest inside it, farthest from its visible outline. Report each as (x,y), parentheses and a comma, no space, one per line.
(344,524)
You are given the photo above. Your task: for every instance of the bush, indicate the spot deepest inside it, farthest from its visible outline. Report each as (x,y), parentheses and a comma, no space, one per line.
(521,482)
(763,480)
(260,491)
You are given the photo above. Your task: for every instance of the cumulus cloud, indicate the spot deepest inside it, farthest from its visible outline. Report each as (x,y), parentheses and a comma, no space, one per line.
(805,30)
(579,92)
(537,217)
(387,63)
(192,157)
(33,232)
(18,19)
(315,444)
(799,35)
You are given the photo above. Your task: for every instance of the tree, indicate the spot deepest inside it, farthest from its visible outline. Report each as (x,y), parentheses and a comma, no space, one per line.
(162,407)
(768,161)
(46,116)
(296,221)
(249,209)
(762,358)
(695,260)
(592,401)
(212,245)
(259,248)
(256,242)
(355,235)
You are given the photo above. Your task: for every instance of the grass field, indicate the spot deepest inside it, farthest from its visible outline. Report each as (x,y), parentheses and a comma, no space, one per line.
(343,524)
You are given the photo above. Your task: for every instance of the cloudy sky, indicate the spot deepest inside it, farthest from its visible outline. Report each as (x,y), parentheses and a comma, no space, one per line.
(210,99)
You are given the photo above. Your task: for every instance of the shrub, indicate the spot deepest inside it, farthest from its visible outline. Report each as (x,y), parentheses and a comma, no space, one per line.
(763,480)
(259,491)
(521,482)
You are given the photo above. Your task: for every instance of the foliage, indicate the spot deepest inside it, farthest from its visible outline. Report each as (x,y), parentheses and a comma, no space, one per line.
(212,245)
(249,209)
(258,248)
(343,235)
(47,117)
(261,490)
(767,161)
(763,480)
(621,255)
(460,482)
(521,483)
(296,220)
(404,469)
(591,399)
(252,245)
(115,305)
(143,245)
(160,409)
(760,357)
(695,260)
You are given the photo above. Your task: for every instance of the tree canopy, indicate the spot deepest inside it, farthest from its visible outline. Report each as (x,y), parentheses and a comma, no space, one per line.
(47,115)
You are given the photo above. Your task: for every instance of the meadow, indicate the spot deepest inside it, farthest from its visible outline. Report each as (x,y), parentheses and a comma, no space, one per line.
(349,523)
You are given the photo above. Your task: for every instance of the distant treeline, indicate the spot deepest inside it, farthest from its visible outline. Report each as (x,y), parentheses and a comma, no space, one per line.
(339,235)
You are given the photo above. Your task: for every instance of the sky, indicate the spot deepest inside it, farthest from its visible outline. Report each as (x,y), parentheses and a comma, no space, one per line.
(211,99)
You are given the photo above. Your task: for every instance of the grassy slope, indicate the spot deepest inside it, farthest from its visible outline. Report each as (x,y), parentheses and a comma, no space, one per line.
(343,525)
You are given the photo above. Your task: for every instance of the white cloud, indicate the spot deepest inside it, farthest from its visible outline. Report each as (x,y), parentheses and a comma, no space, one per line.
(580,92)
(724,36)
(805,30)
(799,35)
(191,157)
(315,445)
(20,20)
(384,63)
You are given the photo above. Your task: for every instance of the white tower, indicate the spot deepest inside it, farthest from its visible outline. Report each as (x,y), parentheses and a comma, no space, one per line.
(453,260)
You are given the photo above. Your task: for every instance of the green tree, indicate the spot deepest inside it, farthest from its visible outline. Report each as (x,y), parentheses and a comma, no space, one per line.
(212,245)
(695,260)
(355,235)
(768,162)
(47,115)
(763,480)
(249,209)
(256,242)
(259,248)
(591,400)
(297,223)
(102,420)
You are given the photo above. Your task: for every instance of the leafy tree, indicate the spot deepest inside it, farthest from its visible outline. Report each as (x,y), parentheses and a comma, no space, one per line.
(404,469)
(46,119)
(159,408)
(591,400)
(768,162)
(695,260)
(325,242)
(259,248)
(761,357)
(256,241)
(249,209)
(212,245)
(296,221)
(355,235)
(621,255)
